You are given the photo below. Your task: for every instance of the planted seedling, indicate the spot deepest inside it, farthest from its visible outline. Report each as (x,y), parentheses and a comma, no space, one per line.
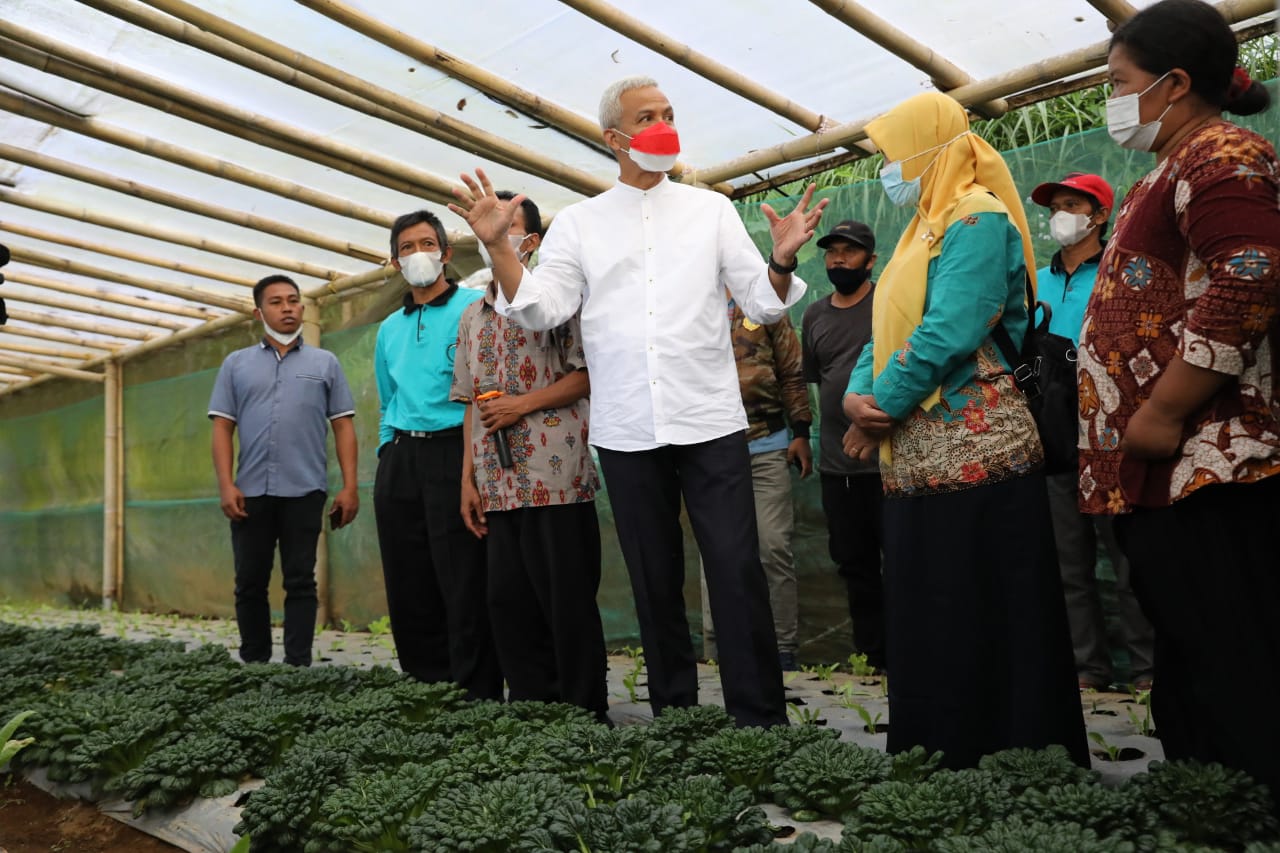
(1142,722)
(1112,752)
(805,716)
(631,680)
(872,723)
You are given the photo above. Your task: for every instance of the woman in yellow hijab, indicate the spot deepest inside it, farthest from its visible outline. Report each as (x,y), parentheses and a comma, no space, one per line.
(978,649)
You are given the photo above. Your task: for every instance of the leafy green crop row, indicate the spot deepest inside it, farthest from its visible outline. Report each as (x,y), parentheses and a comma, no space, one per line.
(366,760)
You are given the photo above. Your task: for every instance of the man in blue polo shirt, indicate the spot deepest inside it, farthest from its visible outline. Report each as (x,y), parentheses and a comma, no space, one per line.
(280,394)
(434,569)
(1080,205)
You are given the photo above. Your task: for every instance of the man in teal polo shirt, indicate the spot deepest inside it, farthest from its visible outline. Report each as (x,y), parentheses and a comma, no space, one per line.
(433,568)
(1080,205)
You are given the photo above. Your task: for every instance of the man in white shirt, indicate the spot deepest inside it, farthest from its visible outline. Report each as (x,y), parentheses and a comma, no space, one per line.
(647,261)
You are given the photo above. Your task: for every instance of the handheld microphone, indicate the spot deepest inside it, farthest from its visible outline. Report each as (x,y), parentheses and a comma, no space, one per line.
(500,442)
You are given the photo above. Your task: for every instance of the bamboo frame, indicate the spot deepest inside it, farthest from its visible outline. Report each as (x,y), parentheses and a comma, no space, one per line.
(49,367)
(263,129)
(63,60)
(84,174)
(21,230)
(1117,11)
(224,39)
(112,486)
(565,120)
(98,309)
(103,132)
(43,319)
(168,235)
(1078,61)
(48,352)
(178,309)
(699,63)
(43,334)
(944,73)
(328,292)
(311,330)
(182,291)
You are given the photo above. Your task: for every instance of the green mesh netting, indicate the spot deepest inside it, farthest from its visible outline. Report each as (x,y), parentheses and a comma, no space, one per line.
(177,545)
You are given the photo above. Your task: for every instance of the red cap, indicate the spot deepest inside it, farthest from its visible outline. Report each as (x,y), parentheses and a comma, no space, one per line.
(1090,185)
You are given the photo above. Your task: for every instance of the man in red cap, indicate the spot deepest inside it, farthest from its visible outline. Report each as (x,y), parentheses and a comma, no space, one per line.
(1079,206)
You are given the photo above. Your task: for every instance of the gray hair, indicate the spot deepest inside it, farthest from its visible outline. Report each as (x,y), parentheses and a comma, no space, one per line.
(611,100)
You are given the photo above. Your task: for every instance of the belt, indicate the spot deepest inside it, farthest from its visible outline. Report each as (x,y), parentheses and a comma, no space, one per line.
(420,433)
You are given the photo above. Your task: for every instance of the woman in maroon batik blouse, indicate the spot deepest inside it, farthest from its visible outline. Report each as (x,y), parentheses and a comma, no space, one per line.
(1179,359)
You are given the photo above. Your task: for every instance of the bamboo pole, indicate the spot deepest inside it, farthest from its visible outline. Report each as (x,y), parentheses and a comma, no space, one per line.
(42,334)
(327,292)
(699,63)
(1117,11)
(217,36)
(77,172)
(111,503)
(142,93)
(61,321)
(126,314)
(1039,73)
(182,291)
(7,345)
(945,74)
(199,313)
(137,257)
(49,367)
(95,129)
(567,121)
(311,337)
(168,235)
(193,106)
(119,367)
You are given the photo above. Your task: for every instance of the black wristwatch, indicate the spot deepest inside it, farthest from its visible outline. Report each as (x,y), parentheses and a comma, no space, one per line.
(780,269)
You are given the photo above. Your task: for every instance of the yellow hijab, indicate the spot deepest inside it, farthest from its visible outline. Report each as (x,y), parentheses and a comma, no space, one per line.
(959,179)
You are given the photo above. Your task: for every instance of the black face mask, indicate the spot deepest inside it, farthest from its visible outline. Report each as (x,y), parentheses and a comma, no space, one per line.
(846,280)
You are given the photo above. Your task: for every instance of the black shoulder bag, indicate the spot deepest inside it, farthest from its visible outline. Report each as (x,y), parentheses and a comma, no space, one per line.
(1045,371)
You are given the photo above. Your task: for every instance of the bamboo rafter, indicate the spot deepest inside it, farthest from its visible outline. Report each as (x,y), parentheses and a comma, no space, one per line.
(11,227)
(182,291)
(84,174)
(182,310)
(43,52)
(217,36)
(41,318)
(97,308)
(7,345)
(49,367)
(167,235)
(43,334)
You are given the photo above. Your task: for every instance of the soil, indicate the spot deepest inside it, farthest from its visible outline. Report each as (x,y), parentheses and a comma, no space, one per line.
(32,821)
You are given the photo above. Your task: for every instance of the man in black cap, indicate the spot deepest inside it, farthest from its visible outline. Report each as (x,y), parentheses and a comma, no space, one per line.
(834,331)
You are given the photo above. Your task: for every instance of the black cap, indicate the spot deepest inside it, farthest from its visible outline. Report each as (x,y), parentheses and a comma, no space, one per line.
(853,231)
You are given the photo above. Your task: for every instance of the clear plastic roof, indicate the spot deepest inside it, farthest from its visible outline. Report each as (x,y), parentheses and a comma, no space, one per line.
(69,86)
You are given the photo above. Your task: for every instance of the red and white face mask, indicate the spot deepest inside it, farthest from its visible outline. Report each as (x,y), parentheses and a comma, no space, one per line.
(654,149)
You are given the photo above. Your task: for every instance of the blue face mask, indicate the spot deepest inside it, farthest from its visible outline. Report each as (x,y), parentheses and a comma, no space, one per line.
(901,192)
(906,193)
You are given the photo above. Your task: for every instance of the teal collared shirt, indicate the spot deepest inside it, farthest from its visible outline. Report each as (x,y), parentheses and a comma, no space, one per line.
(413,364)
(1067,294)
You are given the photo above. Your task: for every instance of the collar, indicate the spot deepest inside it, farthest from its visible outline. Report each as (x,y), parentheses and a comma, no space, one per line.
(410,306)
(265,343)
(1056,267)
(661,186)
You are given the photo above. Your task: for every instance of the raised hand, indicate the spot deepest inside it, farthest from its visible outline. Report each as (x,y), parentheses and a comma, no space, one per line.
(792,231)
(489,216)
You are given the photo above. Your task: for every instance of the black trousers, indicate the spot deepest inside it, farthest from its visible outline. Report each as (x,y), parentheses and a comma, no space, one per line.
(855,517)
(434,569)
(544,573)
(1206,571)
(979,651)
(714,477)
(295,524)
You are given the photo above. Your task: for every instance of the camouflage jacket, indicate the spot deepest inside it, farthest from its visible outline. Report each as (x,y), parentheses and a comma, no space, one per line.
(770,375)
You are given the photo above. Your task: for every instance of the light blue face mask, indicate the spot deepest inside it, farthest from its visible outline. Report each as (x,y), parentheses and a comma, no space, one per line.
(906,193)
(901,192)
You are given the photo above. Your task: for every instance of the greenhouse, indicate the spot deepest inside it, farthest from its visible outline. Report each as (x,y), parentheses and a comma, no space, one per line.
(158,157)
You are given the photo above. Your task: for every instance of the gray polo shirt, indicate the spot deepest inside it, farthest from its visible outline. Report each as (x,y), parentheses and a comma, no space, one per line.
(282,407)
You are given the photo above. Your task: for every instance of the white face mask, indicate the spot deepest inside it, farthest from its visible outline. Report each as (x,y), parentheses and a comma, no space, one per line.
(280,337)
(421,269)
(1069,228)
(1124,120)
(516,241)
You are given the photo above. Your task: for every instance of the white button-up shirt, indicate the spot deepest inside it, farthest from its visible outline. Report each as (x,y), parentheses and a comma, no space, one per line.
(649,268)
